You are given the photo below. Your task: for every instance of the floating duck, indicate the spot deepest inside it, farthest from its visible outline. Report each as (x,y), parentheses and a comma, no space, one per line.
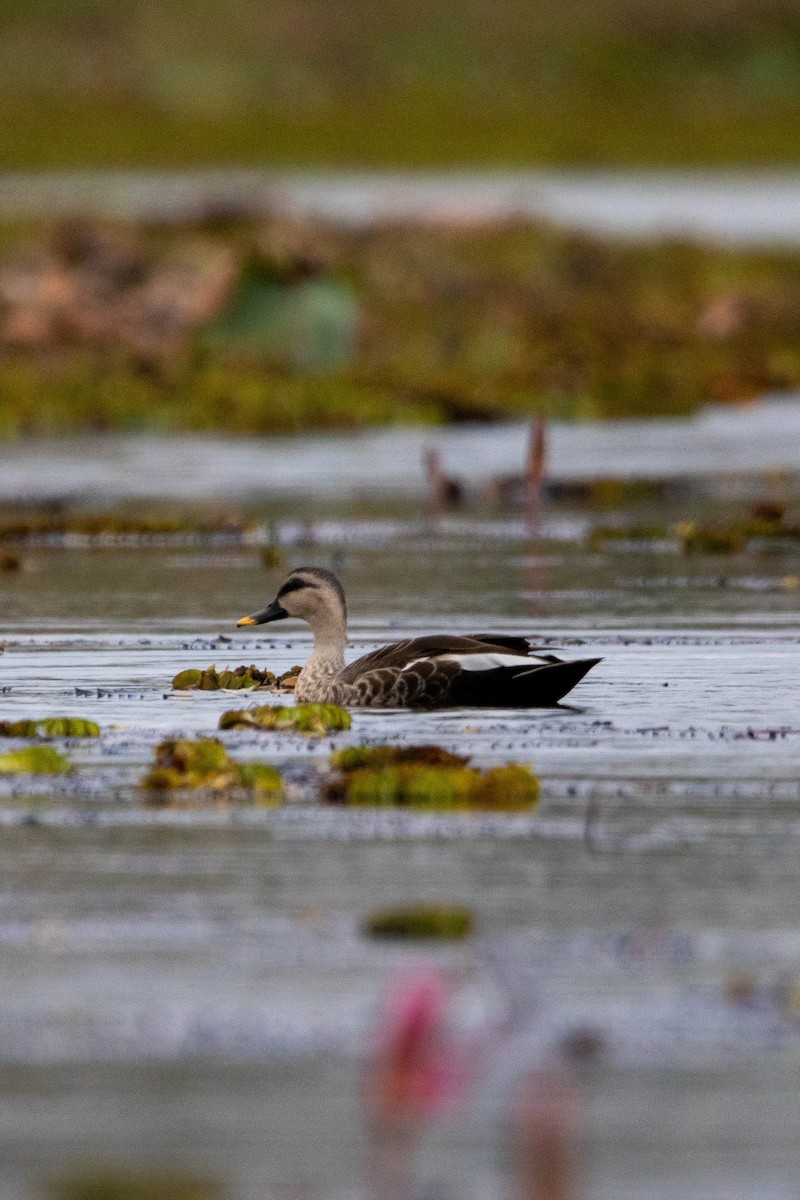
(486,670)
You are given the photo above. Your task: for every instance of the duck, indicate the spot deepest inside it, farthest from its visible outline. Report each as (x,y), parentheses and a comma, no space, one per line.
(485,670)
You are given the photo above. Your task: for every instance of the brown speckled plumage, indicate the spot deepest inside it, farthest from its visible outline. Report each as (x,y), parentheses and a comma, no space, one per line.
(482,671)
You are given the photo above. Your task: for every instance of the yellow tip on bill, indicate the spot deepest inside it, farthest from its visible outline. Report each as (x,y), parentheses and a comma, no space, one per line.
(246,621)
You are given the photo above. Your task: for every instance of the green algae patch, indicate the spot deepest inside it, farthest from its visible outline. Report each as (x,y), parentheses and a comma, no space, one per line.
(50,727)
(181,764)
(391,778)
(445,922)
(315,719)
(34,760)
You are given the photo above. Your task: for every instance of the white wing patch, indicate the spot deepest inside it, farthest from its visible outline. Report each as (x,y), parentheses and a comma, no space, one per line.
(485,662)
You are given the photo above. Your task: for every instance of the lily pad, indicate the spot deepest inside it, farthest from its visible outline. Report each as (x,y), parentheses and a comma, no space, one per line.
(34,760)
(180,764)
(22,729)
(68,727)
(302,718)
(187,679)
(50,727)
(421,921)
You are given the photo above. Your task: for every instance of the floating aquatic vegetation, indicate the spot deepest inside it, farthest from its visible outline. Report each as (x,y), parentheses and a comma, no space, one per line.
(354,758)
(701,539)
(435,780)
(765,525)
(76,727)
(211,680)
(733,539)
(181,763)
(34,760)
(601,534)
(421,921)
(122,1183)
(26,526)
(236,679)
(302,718)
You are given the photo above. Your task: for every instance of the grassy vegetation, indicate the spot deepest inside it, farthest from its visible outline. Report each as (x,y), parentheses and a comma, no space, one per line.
(417,82)
(450,324)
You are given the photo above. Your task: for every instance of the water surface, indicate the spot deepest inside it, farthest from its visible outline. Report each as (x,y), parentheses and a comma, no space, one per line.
(192,983)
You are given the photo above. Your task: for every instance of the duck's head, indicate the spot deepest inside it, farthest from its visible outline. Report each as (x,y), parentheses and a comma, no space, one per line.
(310,593)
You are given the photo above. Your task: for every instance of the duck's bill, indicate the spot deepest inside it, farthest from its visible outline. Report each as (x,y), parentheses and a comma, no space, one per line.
(273,612)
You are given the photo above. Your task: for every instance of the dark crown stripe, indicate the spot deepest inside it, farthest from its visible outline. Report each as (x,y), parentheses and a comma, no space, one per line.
(294,585)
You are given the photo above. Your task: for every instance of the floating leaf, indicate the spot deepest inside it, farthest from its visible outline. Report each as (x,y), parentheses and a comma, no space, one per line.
(34,760)
(181,763)
(50,727)
(700,539)
(512,788)
(289,678)
(186,679)
(25,729)
(402,782)
(353,758)
(228,680)
(264,780)
(69,727)
(302,718)
(423,921)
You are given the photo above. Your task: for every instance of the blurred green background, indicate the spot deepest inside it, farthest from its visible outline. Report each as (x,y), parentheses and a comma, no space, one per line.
(403,82)
(266,322)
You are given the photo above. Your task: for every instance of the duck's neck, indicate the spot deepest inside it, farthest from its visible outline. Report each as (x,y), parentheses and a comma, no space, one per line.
(325,663)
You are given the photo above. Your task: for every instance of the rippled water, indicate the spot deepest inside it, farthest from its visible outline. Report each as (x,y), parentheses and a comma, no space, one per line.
(727,440)
(193,983)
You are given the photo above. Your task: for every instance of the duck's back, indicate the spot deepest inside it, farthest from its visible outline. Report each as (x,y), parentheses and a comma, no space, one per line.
(484,671)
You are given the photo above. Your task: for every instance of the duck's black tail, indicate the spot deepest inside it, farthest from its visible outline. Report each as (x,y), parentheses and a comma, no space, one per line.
(519,687)
(544,686)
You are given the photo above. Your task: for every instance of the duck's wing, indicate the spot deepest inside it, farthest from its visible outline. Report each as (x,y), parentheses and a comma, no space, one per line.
(483,672)
(400,654)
